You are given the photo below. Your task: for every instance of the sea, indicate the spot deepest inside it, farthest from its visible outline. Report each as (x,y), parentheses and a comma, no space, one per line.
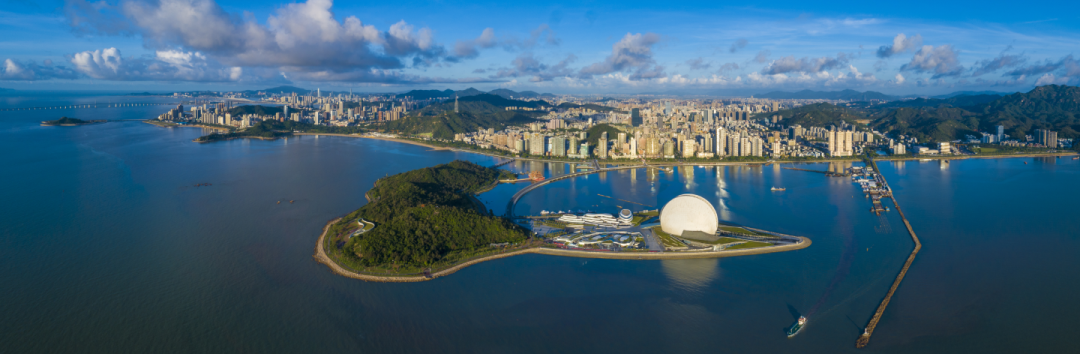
(128,237)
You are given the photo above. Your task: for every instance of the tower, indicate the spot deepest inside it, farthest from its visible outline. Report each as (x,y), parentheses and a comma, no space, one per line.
(455,105)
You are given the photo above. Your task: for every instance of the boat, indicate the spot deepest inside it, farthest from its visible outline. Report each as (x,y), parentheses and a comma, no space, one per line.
(798,326)
(781,189)
(1076,158)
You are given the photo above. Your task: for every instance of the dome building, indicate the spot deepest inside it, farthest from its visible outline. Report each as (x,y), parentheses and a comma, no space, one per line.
(688,212)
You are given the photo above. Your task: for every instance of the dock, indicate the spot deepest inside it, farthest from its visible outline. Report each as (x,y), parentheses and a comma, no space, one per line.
(864,339)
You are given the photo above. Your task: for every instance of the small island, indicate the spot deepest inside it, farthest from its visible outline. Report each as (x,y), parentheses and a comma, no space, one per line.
(70,122)
(427,223)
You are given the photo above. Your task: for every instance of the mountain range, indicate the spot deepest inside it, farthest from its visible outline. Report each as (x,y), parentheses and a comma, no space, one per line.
(448,93)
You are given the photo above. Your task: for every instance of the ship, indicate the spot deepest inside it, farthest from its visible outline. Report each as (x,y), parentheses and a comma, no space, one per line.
(780,189)
(798,326)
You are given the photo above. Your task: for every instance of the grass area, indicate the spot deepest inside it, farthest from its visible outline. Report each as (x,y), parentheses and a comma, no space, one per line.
(721,241)
(739,230)
(666,239)
(553,223)
(749,244)
(649,213)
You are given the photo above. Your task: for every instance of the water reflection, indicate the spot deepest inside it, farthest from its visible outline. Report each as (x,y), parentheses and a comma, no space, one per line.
(691,274)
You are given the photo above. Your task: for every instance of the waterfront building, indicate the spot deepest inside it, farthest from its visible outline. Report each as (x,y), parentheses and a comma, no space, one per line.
(1000,133)
(840,143)
(944,148)
(688,212)
(558,146)
(1047,138)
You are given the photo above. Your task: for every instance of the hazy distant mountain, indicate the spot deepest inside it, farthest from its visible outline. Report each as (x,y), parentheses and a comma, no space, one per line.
(283,89)
(827,95)
(972,93)
(523,94)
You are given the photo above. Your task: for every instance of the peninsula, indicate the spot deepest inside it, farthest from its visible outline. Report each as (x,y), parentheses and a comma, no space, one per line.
(426,223)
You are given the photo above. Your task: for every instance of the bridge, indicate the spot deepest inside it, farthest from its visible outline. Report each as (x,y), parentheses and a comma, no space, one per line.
(531,187)
(504,163)
(92,105)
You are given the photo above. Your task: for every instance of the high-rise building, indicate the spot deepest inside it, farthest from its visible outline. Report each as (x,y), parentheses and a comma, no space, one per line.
(558,146)
(721,142)
(1047,138)
(537,143)
(602,146)
(1000,133)
(455,105)
(840,143)
(573,146)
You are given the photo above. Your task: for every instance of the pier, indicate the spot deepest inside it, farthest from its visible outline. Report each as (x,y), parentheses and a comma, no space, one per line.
(864,339)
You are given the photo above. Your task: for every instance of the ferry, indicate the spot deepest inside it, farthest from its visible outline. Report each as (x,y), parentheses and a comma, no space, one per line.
(798,326)
(781,189)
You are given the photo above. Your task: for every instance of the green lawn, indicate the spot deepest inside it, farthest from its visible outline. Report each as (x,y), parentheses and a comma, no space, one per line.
(740,230)
(749,244)
(721,241)
(666,239)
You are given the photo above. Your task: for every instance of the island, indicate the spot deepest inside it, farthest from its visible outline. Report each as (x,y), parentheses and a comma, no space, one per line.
(427,223)
(70,122)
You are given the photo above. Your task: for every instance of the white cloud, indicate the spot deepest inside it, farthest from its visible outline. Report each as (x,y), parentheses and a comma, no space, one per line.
(900,44)
(942,61)
(633,53)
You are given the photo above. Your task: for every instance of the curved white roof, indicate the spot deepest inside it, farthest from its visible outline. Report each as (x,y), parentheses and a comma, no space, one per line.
(688,212)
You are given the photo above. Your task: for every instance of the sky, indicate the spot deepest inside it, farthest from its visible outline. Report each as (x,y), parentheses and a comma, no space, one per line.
(590,47)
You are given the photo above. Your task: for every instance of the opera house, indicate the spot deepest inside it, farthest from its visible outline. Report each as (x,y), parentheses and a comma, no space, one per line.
(689,216)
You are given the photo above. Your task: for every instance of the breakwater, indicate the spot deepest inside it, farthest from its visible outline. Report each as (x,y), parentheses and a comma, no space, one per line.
(864,339)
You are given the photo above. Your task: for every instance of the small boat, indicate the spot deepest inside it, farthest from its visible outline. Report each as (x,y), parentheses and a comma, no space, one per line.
(798,326)
(780,189)
(1076,158)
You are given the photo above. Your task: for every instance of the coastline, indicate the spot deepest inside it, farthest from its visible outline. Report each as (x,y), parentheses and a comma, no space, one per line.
(404,141)
(321,257)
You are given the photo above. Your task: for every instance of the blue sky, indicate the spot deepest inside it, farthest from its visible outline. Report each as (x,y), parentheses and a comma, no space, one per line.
(603,47)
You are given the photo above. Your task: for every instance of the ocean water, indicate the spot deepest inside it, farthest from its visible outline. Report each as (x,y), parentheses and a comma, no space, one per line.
(106,245)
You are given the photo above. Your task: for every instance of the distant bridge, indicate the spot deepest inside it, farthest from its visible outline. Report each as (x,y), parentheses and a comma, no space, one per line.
(531,187)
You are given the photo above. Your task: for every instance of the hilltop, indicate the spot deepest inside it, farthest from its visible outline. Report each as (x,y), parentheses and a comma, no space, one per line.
(448,93)
(476,112)
(424,218)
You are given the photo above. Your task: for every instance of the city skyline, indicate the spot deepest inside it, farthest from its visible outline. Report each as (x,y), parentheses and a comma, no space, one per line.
(624,48)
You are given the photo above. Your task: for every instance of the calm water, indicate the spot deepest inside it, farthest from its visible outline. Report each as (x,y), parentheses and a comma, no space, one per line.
(107,247)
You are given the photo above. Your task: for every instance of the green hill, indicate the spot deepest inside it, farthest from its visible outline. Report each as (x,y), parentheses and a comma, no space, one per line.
(592,106)
(1054,107)
(929,124)
(593,134)
(476,112)
(816,115)
(424,217)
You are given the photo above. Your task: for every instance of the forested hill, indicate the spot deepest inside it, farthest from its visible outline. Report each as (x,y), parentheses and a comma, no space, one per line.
(817,115)
(1051,107)
(592,106)
(425,216)
(1054,107)
(476,112)
(928,124)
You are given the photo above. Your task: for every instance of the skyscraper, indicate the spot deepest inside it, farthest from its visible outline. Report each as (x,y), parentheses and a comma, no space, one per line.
(1000,133)
(1046,137)
(455,105)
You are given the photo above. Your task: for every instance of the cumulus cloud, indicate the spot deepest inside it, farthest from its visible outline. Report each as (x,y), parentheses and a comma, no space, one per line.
(739,44)
(942,61)
(1002,61)
(471,49)
(899,79)
(698,64)
(805,65)
(301,36)
(30,71)
(633,53)
(900,44)
(165,65)
(526,64)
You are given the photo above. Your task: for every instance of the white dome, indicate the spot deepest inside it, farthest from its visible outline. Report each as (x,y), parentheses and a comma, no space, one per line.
(688,212)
